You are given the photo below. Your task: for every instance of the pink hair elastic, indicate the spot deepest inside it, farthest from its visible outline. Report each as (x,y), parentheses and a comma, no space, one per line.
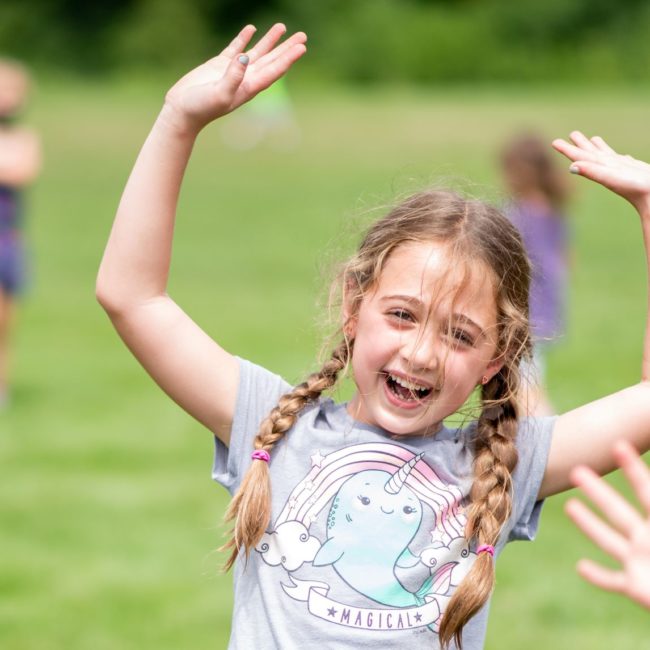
(485,548)
(261,454)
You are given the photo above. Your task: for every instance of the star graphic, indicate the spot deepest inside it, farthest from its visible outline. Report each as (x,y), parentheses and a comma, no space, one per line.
(418,617)
(331,611)
(308,485)
(436,536)
(317,459)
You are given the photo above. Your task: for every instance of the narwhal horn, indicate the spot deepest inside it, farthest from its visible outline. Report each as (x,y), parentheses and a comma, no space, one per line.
(396,481)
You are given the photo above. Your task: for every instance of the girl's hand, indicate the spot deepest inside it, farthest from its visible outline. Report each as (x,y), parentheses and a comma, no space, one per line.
(627,540)
(232,78)
(595,159)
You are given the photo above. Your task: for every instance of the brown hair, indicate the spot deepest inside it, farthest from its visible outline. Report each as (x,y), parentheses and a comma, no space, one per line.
(529,167)
(477,233)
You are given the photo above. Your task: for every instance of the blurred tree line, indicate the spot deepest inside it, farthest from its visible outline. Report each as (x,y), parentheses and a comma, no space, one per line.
(351,40)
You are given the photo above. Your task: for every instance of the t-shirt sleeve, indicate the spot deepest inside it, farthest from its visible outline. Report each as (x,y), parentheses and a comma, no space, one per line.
(259,391)
(533,444)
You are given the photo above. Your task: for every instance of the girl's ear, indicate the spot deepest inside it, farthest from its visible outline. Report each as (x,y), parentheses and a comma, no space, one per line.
(350,328)
(349,322)
(493,368)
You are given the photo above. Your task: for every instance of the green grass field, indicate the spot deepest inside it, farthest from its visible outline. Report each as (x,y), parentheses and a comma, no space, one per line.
(108,517)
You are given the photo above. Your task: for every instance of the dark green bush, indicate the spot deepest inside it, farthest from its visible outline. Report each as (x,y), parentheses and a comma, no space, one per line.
(421,41)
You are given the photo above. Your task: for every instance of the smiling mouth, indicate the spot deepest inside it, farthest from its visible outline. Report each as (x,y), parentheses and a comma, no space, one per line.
(407,391)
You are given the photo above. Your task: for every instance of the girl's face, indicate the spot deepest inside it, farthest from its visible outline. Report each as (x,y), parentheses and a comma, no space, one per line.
(423,339)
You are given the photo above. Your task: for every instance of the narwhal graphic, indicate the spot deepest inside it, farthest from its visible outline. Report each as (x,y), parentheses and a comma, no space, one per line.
(373,518)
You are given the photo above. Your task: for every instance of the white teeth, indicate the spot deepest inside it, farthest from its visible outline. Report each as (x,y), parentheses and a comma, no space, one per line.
(407,384)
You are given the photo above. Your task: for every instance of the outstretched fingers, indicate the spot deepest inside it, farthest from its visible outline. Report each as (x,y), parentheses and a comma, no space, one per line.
(239,43)
(582,148)
(627,540)
(574,152)
(268,70)
(236,75)
(596,160)
(582,141)
(241,74)
(602,577)
(605,537)
(267,42)
(616,508)
(299,38)
(593,144)
(601,145)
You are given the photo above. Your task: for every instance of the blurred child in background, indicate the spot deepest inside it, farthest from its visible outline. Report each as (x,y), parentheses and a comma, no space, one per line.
(20,161)
(266,120)
(538,191)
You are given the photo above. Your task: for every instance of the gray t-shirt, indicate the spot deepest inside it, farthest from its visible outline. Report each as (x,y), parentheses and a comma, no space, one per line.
(365,544)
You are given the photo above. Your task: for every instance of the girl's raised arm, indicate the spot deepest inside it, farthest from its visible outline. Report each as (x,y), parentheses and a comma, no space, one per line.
(131,286)
(586,435)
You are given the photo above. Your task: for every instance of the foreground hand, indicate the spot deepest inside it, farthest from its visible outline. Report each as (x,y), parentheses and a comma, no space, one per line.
(627,539)
(233,77)
(595,159)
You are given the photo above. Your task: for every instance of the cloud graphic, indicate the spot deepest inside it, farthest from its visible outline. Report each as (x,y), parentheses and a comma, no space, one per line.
(290,545)
(457,554)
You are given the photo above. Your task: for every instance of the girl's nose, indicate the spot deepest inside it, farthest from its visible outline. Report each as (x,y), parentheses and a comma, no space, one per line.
(420,350)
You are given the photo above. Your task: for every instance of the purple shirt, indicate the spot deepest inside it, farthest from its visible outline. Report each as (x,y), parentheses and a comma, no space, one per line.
(545,236)
(9,210)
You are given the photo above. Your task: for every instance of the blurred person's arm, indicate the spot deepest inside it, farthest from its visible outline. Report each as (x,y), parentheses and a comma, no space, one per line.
(20,157)
(132,282)
(627,539)
(585,435)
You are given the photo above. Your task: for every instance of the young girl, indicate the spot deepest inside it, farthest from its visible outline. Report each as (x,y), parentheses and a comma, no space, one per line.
(370,523)
(539,191)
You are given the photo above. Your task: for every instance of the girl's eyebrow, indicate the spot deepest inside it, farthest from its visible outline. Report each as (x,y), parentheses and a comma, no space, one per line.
(466,319)
(412,299)
(416,302)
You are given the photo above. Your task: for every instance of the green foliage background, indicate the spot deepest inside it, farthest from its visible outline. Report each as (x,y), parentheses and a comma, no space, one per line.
(365,40)
(108,517)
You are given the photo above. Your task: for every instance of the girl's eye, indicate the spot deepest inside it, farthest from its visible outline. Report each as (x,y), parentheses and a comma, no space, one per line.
(402,314)
(462,337)
(408,510)
(364,500)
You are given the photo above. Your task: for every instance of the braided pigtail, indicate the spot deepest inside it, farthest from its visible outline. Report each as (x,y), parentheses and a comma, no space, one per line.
(250,508)
(491,498)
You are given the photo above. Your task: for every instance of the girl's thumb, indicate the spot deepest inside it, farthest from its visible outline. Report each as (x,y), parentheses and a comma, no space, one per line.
(235,72)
